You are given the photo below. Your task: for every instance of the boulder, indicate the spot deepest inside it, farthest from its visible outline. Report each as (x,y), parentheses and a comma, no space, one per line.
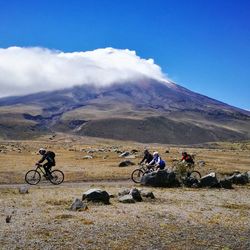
(24,190)
(135,194)
(96,195)
(126,199)
(133,151)
(123,192)
(126,163)
(209,180)
(147,194)
(77,205)
(161,178)
(124,154)
(190,182)
(240,179)
(227,184)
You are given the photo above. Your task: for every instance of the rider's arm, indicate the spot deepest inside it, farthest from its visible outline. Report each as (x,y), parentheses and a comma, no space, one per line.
(144,158)
(42,159)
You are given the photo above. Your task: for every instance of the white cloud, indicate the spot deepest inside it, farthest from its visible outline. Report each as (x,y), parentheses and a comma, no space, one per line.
(30,70)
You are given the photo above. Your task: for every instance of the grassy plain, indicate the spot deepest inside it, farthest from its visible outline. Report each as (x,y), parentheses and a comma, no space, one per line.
(179,218)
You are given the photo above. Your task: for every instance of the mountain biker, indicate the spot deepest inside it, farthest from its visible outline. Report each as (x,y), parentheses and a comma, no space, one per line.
(157,161)
(187,158)
(50,157)
(147,157)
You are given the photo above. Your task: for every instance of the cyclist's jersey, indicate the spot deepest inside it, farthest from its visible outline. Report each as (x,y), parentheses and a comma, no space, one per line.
(157,160)
(49,156)
(188,159)
(147,158)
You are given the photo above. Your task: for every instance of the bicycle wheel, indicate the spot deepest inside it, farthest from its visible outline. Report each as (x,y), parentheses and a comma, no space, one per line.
(195,174)
(136,175)
(32,177)
(57,177)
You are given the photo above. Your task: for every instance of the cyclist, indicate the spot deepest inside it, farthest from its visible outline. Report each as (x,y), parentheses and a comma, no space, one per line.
(157,161)
(187,158)
(147,157)
(50,157)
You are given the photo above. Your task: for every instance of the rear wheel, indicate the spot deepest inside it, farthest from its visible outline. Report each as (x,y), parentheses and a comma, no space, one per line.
(57,177)
(195,174)
(136,175)
(32,177)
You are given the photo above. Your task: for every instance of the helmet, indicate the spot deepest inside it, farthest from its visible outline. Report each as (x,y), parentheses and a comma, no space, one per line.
(42,151)
(184,153)
(155,153)
(146,152)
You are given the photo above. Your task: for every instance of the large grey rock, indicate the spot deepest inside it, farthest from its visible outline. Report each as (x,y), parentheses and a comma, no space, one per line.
(135,194)
(209,180)
(126,163)
(96,195)
(161,178)
(77,205)
(86,157)
(24,190)
(227,184)
(126,199)
(240,179)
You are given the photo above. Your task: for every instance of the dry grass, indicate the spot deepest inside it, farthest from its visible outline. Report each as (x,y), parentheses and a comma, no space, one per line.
(179,218)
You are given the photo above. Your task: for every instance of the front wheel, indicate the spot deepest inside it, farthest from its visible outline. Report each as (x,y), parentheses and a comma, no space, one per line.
(57,177)
(136,175)
(32,177)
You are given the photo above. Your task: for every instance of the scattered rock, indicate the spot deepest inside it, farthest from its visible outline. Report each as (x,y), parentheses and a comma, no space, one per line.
(227,184)
(126,163)
(24,190)
(190,182)
(133,151)
(8,218)
(96,195)
(135,194)
(87,157)
(167,151)
(147,194)
(209,180)
(78,205)
(126,199)
(124,154)
(123,192)
(240,179)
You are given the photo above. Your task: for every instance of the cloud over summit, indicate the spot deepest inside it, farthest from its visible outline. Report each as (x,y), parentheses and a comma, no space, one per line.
(30,70)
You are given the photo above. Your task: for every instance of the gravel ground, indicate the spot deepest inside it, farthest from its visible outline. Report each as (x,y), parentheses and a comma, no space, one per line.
(179,218)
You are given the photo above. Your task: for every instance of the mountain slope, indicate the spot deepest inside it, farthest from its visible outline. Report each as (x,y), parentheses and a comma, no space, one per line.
(145,111)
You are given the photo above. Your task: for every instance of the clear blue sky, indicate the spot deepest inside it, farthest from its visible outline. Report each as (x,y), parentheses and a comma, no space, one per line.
(202,45)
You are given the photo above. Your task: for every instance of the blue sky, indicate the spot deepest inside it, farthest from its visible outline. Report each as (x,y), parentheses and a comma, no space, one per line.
(201,45)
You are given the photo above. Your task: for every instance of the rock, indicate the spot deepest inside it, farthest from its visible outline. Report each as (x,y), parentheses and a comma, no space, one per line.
(126,163)
(91,151)
(124,154)
(190,182)
(123,192)
(167,151)
(161,178)
(135,194)
(126,199)
(8,218)
(133,151)
(147,194)
(87,157)
(130,157)
(241,179)
(78,205)
(96,195)
(227,184)
(24,190)
(248,175)
(209,180)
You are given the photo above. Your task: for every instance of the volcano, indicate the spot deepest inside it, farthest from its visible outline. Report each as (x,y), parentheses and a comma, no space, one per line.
(145,111)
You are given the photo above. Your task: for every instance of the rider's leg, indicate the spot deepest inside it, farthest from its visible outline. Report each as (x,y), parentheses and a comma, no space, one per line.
(47,167)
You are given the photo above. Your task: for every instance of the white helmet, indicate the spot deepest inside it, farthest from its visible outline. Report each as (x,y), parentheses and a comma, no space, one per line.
(155,153)
(42,151)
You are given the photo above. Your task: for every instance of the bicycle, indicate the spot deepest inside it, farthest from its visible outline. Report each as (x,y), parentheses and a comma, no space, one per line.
(33,177)
(139,172)
(185,170)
